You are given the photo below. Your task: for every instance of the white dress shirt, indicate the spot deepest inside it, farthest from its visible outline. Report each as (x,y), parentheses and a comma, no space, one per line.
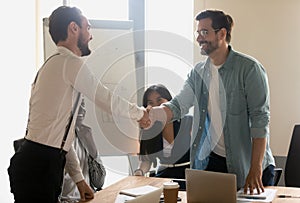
(52,98)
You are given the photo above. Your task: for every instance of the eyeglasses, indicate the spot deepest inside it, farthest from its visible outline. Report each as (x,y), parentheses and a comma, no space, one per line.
(204,32)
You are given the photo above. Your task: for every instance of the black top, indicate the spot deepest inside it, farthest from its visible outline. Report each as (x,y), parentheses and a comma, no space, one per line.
(151,147)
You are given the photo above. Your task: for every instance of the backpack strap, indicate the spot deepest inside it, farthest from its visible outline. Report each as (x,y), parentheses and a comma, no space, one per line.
(70,122)
(35,79)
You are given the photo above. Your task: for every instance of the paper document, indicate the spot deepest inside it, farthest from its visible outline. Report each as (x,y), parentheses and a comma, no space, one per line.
(137,191)
(267,196)
(123,198)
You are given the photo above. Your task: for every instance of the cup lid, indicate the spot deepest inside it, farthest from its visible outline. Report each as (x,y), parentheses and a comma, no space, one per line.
(171,185)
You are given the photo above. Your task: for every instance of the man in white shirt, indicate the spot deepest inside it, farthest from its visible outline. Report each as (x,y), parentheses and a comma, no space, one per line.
(36,169)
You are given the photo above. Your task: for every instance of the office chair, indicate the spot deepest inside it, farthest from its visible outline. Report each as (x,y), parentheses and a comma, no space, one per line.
(278,172)
(292,166)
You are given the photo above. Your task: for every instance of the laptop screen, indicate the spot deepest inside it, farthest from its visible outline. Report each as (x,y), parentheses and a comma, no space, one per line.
(207,186)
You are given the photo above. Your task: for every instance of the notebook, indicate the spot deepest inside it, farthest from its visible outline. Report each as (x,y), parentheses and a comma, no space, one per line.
(210,187)
(267,196)
(151,197)
(137,191)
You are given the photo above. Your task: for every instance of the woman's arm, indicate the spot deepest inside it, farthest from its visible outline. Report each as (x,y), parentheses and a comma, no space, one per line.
(143,168)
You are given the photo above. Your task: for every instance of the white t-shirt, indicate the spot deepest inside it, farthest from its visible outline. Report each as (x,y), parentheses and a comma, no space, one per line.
(167,148)
(217,135)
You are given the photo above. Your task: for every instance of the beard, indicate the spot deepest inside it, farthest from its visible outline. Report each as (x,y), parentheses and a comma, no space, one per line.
(208,47)
(85,50)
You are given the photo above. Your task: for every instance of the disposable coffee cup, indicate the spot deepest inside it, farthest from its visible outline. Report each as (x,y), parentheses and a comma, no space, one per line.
(171,192)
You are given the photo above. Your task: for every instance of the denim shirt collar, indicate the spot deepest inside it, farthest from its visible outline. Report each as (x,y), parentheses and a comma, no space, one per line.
(229,60)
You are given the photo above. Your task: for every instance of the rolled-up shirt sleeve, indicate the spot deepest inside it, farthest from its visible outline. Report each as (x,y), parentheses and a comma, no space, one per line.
(258,99)
(72,166)
(183,101)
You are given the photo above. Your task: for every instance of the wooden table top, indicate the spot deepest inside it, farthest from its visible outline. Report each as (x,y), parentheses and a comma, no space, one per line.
(109,194)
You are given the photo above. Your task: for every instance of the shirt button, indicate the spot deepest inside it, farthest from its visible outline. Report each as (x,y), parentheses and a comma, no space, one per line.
(203,110)
(200,127)
(195,145)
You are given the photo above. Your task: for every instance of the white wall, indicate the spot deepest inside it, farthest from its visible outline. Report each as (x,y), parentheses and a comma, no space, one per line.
(269,31)
(17,71)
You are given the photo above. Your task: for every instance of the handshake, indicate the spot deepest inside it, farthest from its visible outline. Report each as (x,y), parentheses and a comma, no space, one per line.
(152,114)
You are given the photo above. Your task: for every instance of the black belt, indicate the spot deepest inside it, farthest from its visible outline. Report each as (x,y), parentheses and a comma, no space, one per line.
(31,145)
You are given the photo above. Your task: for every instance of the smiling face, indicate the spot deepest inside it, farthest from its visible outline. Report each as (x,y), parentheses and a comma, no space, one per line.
(155,99)
(207,36)
(85,37)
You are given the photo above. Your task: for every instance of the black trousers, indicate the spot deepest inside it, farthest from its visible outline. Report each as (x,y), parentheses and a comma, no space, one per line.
(36,173)
(172,172)
(217,163)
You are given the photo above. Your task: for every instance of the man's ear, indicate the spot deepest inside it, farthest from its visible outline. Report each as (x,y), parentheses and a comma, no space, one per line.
(73,27)
(223,33)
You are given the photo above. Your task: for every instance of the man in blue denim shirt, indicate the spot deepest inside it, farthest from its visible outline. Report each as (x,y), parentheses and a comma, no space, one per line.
(242,105)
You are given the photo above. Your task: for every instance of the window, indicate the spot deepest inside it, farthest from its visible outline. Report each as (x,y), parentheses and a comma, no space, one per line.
(168,64)
(103,9)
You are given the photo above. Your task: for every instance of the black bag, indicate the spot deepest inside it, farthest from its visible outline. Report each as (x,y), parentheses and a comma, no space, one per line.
(97,173)
(18,143)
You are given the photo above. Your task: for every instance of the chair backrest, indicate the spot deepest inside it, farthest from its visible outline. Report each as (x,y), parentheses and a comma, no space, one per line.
(292,166)
(278,172)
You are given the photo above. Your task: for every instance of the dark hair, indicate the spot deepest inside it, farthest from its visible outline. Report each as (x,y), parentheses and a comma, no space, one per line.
(160,89)
(59,21)
(219,20)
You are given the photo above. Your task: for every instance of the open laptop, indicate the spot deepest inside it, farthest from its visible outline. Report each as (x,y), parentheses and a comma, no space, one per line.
(210,187)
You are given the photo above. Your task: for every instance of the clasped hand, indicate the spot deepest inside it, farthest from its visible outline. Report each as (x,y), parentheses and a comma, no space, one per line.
(152,114)
(145,121)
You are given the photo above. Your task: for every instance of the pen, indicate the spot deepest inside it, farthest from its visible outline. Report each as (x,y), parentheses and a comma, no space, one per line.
(287,196)
(162,200)
(284,196)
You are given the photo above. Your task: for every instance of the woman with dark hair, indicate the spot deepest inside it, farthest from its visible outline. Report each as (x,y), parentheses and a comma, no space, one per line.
(169,144)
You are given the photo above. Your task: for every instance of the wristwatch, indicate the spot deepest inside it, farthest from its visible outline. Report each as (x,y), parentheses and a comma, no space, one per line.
(139,172)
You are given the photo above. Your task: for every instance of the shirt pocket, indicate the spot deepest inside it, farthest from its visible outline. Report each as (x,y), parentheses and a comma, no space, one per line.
(237,102)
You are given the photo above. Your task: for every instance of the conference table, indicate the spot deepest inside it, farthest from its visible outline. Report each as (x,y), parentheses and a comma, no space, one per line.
(110,193)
